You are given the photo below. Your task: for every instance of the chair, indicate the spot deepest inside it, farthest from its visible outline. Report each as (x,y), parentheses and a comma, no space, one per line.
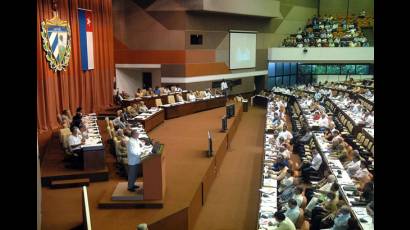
(372,150)
(179,98)
(158,102)
(301,219)
(370,145)
(65,132)
(111,125)
(366,142)
(171,99)
(107,120)
(110,132)
(304,203)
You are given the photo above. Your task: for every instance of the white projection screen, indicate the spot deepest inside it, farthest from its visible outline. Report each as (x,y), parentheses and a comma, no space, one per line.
(242,51)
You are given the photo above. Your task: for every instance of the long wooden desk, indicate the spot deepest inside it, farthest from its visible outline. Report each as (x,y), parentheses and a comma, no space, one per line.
(150,101)
(260,100)
(173,111)
(153,121)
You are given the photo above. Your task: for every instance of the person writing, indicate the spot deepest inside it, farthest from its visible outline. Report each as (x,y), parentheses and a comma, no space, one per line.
(74,144)
(134,159)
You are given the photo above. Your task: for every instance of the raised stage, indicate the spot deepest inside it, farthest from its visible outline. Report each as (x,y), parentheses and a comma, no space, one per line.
(189,176)
(53,167)
(189,173)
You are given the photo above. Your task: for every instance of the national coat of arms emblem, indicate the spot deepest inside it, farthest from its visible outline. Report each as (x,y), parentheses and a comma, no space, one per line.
(56,36)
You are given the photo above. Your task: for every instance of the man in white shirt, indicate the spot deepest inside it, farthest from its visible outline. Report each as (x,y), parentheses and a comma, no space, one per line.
(191,96)
(353,166)
(293,211)
(224,87)
(313,166)
(370,119)
(323,122)
(134,152)
(285,133)
(142,108)
(117,122)
(75,141)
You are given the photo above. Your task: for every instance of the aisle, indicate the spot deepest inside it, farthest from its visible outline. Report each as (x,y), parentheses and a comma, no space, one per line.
(233,199)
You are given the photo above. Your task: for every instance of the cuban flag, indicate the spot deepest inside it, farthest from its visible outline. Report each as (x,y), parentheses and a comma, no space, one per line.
(85,20)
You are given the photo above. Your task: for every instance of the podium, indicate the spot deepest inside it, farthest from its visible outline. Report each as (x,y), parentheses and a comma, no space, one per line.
(152,186)
(153,169)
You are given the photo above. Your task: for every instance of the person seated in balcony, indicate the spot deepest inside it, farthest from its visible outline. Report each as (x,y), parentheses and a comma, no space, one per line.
(362,14)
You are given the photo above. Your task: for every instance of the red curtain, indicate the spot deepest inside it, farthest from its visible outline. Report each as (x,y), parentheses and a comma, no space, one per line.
(92,90)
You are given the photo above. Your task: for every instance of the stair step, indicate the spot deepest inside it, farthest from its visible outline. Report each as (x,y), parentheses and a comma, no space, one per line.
(70,183)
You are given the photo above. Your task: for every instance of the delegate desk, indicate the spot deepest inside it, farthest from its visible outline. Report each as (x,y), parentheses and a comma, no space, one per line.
(149,101)
(260,100)
(367,102)
(344,180)
(93,149)
(151,119)
(181,109)
(369,133)
(354,120)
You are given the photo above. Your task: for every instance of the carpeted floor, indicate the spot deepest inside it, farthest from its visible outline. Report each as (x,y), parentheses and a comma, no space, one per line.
(185,141)
(233,198)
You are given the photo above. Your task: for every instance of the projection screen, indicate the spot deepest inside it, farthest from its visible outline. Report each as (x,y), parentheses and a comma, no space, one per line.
(242,52)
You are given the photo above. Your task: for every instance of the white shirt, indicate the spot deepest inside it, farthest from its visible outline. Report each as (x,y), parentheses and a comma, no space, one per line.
(117,122)
(286,135)
(74,140)
(370,119)
(316,162)
(224,85)
(191,97)
(352,167)
(324,122)
(134,151)
(285,154)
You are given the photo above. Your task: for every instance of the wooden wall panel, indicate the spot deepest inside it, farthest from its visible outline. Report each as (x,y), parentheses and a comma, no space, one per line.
(176,221)
(200,56)
(149,56)
(195,208)
(206,69)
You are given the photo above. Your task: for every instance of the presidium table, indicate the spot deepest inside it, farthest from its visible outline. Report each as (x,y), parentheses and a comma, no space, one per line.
(185,108)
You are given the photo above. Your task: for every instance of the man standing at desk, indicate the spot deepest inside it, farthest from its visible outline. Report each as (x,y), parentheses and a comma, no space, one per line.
(224,87)
(134,153)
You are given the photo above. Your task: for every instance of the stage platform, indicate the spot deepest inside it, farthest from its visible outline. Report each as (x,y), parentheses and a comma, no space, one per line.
(189,173)
(53,168)
(189,176)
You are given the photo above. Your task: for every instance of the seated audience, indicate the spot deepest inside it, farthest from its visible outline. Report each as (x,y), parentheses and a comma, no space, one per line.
(292,211)
(142,107)
(313,166)
(284,223)
(119,122)
(179,97)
